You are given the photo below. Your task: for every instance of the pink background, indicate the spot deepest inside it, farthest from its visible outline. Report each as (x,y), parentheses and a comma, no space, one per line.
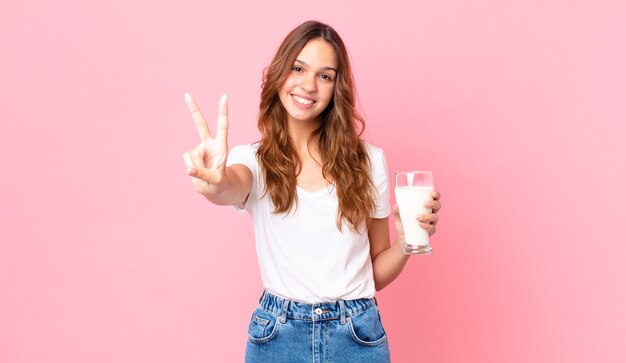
(108,255)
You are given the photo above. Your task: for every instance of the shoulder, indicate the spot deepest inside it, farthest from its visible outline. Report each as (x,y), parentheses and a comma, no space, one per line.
(250,148)
(375,153)
(245,150)
(245,154)
(377,158)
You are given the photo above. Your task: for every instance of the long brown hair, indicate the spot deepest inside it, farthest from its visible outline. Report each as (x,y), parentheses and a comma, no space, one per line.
(344,157)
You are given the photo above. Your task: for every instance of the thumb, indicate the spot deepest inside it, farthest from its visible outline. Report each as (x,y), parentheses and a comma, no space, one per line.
(395,211)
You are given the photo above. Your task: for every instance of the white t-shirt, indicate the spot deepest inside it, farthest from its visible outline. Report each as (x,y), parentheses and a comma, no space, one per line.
(303,256)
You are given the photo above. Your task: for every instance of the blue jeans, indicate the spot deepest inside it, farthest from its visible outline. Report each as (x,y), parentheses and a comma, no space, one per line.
(288,331)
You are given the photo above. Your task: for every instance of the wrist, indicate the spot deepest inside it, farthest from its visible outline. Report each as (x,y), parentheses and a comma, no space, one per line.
(215,193)
(399,245)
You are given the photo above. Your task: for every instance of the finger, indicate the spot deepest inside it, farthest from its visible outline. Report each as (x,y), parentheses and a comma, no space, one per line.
(437,204)
(196,158)
(428,227)
(222,120)
(434,205)
(206,175)
(198,118)
(431,229)
(188,161)
(428,218)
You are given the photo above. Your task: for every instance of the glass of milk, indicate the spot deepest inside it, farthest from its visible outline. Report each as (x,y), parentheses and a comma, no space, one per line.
(413,190)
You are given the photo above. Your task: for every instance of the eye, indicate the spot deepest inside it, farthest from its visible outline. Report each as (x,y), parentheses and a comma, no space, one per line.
(326,77)
(296,69)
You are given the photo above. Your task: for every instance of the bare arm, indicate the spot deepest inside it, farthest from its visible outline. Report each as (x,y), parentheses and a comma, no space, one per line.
(389,260)
(206,163)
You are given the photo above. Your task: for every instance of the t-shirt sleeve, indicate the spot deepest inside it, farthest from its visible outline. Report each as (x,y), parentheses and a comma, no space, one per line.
(380,178)
(245,155)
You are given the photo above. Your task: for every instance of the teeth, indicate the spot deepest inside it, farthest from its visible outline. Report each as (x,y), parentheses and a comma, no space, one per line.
(303,100)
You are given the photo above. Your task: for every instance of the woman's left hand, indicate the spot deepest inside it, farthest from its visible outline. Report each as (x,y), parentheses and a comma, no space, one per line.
(429,221)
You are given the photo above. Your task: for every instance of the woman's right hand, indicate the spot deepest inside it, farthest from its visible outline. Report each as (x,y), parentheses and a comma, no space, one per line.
(206,163)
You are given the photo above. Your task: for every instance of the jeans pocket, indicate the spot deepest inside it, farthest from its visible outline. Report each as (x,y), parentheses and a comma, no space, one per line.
(263,326)
(366,328)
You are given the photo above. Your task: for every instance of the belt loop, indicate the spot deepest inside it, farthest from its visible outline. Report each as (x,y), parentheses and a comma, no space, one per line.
(283,313)
(375,301)
(342,311)
(261,298)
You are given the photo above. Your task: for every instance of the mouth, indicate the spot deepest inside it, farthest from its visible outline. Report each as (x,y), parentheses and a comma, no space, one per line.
(302,100)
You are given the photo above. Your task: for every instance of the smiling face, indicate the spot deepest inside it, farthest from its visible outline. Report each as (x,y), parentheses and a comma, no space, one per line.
(310,84)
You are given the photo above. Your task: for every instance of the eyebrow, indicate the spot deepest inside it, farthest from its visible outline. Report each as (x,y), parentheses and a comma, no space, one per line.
(327,68)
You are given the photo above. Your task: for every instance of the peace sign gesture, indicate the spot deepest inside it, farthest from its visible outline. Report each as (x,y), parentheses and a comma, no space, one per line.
(206,163)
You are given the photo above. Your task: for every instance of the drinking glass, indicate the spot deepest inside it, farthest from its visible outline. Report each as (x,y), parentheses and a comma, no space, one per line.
(413,190)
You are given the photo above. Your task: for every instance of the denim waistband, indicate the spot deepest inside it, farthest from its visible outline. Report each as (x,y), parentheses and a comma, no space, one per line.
(338,310)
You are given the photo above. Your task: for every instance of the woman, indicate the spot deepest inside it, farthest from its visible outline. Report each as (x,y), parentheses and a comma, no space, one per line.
(319,201)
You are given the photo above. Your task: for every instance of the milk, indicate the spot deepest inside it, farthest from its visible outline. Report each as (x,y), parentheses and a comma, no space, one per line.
(411,201)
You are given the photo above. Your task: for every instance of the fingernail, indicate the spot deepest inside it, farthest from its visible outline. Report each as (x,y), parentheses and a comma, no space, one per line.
(224,96)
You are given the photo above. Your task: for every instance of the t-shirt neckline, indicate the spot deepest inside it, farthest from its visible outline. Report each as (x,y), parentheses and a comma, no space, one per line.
(324,191)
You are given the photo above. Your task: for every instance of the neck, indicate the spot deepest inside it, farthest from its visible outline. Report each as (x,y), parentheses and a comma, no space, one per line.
(301,131)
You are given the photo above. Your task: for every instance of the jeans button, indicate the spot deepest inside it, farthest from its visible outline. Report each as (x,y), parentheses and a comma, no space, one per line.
(318,311)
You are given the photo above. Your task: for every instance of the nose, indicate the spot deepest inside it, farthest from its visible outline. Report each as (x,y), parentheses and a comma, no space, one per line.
(309,83)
